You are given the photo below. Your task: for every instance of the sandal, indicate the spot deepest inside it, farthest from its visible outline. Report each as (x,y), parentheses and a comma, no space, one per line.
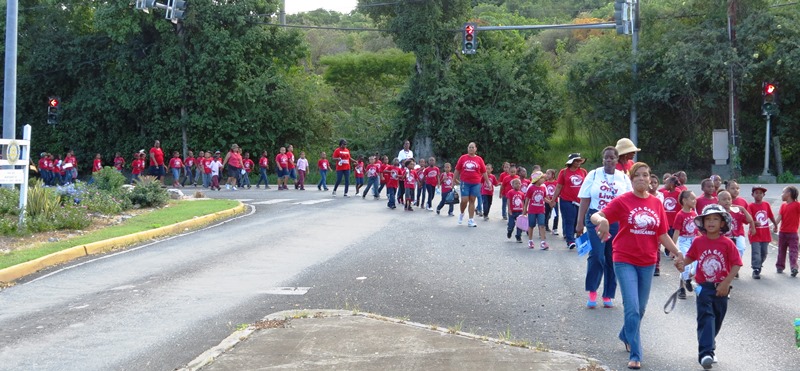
(627,347)
(634,365)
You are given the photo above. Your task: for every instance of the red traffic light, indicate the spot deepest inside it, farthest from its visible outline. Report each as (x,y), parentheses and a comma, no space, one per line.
(469,29)
(53,102)
(769,89)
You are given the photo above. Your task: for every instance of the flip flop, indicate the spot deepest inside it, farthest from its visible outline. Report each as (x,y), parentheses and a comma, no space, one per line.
(627,347)
(634,365)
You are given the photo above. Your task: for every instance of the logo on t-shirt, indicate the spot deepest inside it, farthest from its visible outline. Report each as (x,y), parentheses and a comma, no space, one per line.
(762,219)
(470,165)
(643,221)
(670,203)
(576,180)
(551,189)
(713,265)
(689,226)
(538,198)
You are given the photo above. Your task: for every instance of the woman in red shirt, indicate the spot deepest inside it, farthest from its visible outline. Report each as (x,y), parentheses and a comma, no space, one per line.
(342,157)
(570,180)
(642,225)
(470,170)
(233,163)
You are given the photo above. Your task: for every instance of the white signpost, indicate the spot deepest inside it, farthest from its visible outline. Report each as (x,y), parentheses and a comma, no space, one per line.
(17,155)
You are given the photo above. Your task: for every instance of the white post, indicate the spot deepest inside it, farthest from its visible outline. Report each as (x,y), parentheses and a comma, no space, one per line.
(25,156)
(766,150)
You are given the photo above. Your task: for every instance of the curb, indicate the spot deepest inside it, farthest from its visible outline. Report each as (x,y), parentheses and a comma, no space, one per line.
(23,269)
(210,355)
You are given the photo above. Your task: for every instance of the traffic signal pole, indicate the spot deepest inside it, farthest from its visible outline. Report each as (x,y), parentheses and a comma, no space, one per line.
(766,149)
(10,82)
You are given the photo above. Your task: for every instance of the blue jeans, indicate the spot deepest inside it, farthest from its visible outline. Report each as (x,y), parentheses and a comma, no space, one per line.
(176,175)
(263,176)
(505,206)
(599,263)
(711,311)
(206,179)
(421,193)
(390,193)
(431,191)
(634,285)
(372,182)
(342,174)
(323,180)
(479,204)
(512,223)
(569,216)
(442,202)
(189,177)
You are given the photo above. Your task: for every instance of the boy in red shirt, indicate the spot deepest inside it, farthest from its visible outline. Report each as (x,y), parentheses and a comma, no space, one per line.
(410,180)
(207,169)
(430,177)
(420,181)
(392,182)
(359,171)
(282,166)
(188,169)
(789,220)
(373,175)
(718,262)
(248,168)
(709,195)
(137,166)
(759,242)
(175,165)
(263,165)
(323,165)
(119,162)
(487,192)
(516,205)
(502,179)
(445,181)
(44,169)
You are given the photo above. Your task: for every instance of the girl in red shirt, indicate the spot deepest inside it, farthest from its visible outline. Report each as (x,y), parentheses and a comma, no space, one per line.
(323,165)
(393,172)
(550,185)
(642,225)
(759,242)
(263,165)
(739,217)
(684,232)
(446,183)
(789,220)
(709,195)
(410,180)
(175,165)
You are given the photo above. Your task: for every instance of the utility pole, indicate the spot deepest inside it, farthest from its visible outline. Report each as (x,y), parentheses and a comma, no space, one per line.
(732,100)
(634,128)
(282,14)
(10,84)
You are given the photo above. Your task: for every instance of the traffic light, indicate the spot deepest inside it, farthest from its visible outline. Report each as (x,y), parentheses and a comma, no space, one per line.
(145,5)
(52,110)
(176,9)
(769,93)
(622,17)
(470,44)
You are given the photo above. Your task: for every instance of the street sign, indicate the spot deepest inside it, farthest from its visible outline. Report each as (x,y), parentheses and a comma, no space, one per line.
(14,176)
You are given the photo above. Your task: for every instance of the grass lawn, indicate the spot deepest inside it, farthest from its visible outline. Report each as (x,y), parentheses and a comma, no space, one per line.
(177,211)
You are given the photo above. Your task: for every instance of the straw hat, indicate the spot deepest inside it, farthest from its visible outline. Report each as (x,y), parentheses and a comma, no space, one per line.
(536,176)
(625,146)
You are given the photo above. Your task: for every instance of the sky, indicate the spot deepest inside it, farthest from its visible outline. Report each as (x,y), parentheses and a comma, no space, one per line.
(342,6)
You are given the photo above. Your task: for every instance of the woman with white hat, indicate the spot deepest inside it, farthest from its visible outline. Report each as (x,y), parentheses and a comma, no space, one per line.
(569,182)
(626,150)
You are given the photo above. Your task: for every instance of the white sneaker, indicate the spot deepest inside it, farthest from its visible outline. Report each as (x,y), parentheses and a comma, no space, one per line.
(555,232)
(706,362)
(461,218)
(471,223)
(234,188)
(227,186)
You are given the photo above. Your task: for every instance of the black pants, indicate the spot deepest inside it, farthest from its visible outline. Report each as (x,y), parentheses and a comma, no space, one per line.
(547,212)
(487,204)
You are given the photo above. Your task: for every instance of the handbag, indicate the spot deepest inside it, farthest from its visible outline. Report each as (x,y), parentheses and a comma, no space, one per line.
(452,198)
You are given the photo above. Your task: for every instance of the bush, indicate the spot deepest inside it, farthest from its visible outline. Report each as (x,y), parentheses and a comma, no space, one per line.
(42,202)
(39,223)
(9,201)
(71,217)
(70,193)
(148,193)
(786,177)
(103,202)
(8,226)
(108,179)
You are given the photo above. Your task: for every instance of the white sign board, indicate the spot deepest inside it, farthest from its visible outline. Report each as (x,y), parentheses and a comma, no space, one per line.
(15,176)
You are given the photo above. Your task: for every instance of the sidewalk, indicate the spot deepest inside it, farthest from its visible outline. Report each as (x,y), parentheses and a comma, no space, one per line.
(336,339)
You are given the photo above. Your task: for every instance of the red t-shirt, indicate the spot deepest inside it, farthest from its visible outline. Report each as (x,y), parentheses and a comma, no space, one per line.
(762,214)
(682,188)
(702,202)
(360,169)
(505,185)
(447,182)
(343,154)
(71,160)
(207,165)
(739,201)
(551,188)
(714,258)
(671,204)
(516,200)
(524,184)
(119,163)
(188,161)
(684,224)
(159,156)
(282,160)
(641,222)
(42,164)
(471,168)
(137,166)
(263,162)
(431,175)
(410,179)
(373,170)
(790,217)
(290,157)
(235,160)
(738,220)
(488,188)
(97,165)
(570,182)
(393,181)
(323,164)
(502,180)
(248,165)
(625,167)
(535,196)
(175,163)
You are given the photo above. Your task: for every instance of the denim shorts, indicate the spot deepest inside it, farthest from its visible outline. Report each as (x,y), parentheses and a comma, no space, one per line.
(535,219)
(470,189)
(282,172)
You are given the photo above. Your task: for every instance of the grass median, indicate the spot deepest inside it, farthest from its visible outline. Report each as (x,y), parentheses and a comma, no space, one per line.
(177,211)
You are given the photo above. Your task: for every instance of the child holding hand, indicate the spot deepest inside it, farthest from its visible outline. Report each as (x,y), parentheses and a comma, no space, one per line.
(789,220)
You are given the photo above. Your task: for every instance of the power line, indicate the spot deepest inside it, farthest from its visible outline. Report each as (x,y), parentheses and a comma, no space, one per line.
(322,27)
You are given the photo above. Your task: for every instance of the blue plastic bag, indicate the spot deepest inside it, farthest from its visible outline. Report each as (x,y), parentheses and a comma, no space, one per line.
(584,245)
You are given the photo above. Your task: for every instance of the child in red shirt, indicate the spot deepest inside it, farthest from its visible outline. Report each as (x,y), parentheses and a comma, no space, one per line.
(684,232)
(759,242)
(430,178)
(373,174)
(534,208)
(709,195)
(359,171)
(550,185)
(409,182)
(789,220)
(137,166)
(188,169)
(323,165)
(718,263)
(175,165)
(487,192)
(502,179)
(445,183)
(248,168)
(119,162)
(263,165)
(516,205)
(392,182)
(420,181)
(207,170)
(97,164)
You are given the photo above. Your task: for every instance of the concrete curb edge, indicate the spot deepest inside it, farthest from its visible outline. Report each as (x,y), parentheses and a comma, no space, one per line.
(235,338)
(18,271)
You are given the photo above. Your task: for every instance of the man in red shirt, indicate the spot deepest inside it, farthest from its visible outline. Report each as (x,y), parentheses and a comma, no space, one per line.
(157,161)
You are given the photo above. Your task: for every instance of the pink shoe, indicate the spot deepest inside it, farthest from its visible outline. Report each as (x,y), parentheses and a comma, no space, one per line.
(544,246)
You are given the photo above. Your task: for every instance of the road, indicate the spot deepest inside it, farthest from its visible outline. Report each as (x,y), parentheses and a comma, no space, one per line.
(160,305)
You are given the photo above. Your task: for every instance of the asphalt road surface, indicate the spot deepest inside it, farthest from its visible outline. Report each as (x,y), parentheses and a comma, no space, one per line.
(157,306)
